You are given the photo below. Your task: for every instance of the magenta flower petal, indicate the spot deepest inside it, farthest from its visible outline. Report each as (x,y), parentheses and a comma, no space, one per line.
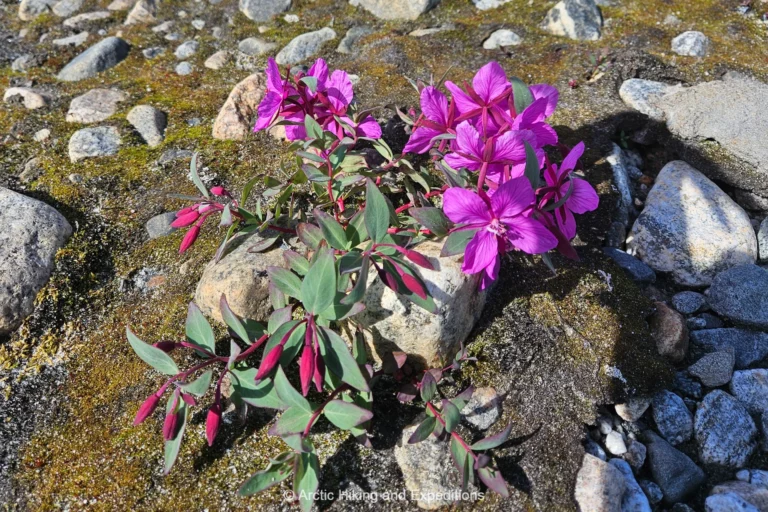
(490,81)
(490,275)
(510,147)
(566,222)
(468,140)
(186,219)
(457,161)
(465,207)
(434,104)
(530,236)
(189,238)
(511,199)
(534,113)
(462,100)
(269,362)
(570,161)
(546,91)
(306,368)
(583,198)
(274,80)
(421,140)
(481,252)
(319,70)
(268,110)
(369,128)
(545,134)
(339,90)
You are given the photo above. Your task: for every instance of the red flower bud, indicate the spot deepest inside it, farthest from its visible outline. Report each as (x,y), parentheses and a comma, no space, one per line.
(414,285)
(189,238)
(188,209)
(319,371)
(419,259)
(269,362)
(170,426)
(213,422)
(185,220)
(218,191)
(188,399)
(165,346)
(306,368)
(146,409)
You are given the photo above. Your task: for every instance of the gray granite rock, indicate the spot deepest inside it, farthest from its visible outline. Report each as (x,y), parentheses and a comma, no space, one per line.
(762,241)
(31,9)
(643,96)
(149,122)
(263,10)
(637,270)
(600,486)
(704,321)
(728,502)
(143,11)
(218,60)
(689,302)
(484,5)
(634,499)
(160,225)
(74,40)
(754,495)
(483,409)
(714,369)
(152,52)
(255,46)
(32,233)
(186,49)
(673,419)
(576,19)
(94,106)
(686,386)
(740,293)
(750,387)
(614,443)
(725,432)
(764,434)
(103,55)
(691,44)
(502,38)
(396,9)
(633,409)
(354,35)
(184,68)
(652,491)
(594,449)
(676,474)
(690,228)
(749,346)
(66,8)
(636,453)
(31,99)
(32,170)
(237,115)
(94,142)
(304,46)
(86,18)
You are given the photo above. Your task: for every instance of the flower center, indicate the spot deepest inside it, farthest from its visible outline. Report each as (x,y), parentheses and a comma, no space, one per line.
(497,227)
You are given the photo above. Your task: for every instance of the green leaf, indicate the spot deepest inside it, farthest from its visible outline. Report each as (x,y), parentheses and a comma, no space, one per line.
(340,361)
(427,304)
(293,344)
(171,451)
(279,317)
(262,480)
(153,356)
(200,385)
(226,217)
(313,174)
(311,82)
(462,398)
(279,334)
(532,170)
(247,190)
(383,149)
(423,431)
(522,95)
(332,230)
(356,231)
(196,177)
(494,481)
(307,479)
(297,262)
(433,219)
(358,292)
(493,441)
(199,331)
(346,415)
(261,394)
(428,387)
(232,320)
(457,242)
(376,212)
(234,353)
(317,287)
(288,394)
(310,234)
(451,415)
(292,421)
(358,348)
(285,281)
(312,157)
(314,130)
(459,454)
(254,329)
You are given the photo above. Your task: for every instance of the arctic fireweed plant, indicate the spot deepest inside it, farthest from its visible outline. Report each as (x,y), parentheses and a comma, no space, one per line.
(501,193)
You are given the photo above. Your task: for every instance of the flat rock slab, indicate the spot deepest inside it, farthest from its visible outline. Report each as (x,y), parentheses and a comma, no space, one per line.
(644,96)
(94,142)
(396,9)
(32,233)
(741,294)
(690,228)
(103,55)
(95,105)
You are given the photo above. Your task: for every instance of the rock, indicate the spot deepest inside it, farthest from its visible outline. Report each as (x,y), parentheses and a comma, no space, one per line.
(304,46)
(762,241)
(594,449)
(94,142)
(704,321)
(32,233)
(633,409)
(634,499)
(120,5)
(86,18)
(238,115)
(75,40)
(42,135)
(672,417)
(428,470)
(576,19)
(396,9)
(599,486)
(103,55)
(714,369)
(218,60)
(686,386)
(749,346)
(624,209)
(198,24)
(160,225)
(95,105)
(739,293)
(691,228)
(145,11)
(353,36)
(422,32)
(242,276)
(484,5)
(172,155)
(25,62)
(483,408)
(186,49)
(31,98)
(689,302)
(184,68)
(637,270)
(151,53)
(759,478)
(673,471)
(614,443)
(755,495)
(636,453)
(66,8)
(670,332)
(149,122)
(764,432)
(725,433)
(432,339)
(652,491)
(750,387)
(255,46)
(500,38)
(31,9)
(691,44)
(263,10)
(165,26)
(728,502)
(643,96)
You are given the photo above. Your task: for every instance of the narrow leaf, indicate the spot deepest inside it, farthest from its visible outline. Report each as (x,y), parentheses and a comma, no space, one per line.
(376,212)
(316,289)
(532,169)
(346,415)
(232,320)
(340,361)
(494,440)
(196,177)
(198,329)
(521,94)
(423,431)
(153,356)
(262,480)
(285,281)
(451,415)
(199,386)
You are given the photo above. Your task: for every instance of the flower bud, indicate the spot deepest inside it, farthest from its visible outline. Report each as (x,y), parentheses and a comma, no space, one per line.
(218,191)
(319,376)
(306,368)
(165,346)
(189,238)
(188,209)
(213,422)
(171,424)
(185,219)
(146,409)
(419,259)
(269,362)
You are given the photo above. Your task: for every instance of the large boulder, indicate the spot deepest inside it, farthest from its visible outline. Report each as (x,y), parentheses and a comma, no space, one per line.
(690,228)
(396,9)
(103,55)
(238,115)
(32,233)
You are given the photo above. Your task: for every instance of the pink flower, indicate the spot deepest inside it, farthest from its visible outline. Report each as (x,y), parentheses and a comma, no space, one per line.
(547,92)
(500,225)
(189,238)
(437,121)
(277,92)
(489,157)
(583,197)
(485,98)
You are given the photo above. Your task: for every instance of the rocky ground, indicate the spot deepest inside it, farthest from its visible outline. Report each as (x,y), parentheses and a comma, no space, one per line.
(635,379)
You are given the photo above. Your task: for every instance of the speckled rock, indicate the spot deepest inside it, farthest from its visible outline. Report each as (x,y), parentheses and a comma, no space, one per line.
(599,486)
(755,495)
(184,68)
(672,417)
(762,241)
(691,44)
(73,40)
(31,9)
(66,8)
(576,19)
(354,35)
(764,439)
(714,369)
(32,233)
(304,46)
(263,10)
(103,55)
(94,142)
(691,228)
(186,49)
(670,332)
(255,46)
(396,9)
(633,409)
(704,321)
(149,122)
(634,499)
(144,11)
(94,106)
(637,270)
(614,443)
(725,432)
(433,339)
(750,387)
(242,277)
(501,38)
(484,5)
(218,60)
(749,346)
(30,98)
(635,454)
(86,18)
(728,502)
(238,115)
(689,302)
(643,96)
(652,491)
(740,294)
(675,472)
(160,225)
(483,408)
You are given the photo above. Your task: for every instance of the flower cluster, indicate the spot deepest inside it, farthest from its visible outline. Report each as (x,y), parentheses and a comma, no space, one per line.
(497,129)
